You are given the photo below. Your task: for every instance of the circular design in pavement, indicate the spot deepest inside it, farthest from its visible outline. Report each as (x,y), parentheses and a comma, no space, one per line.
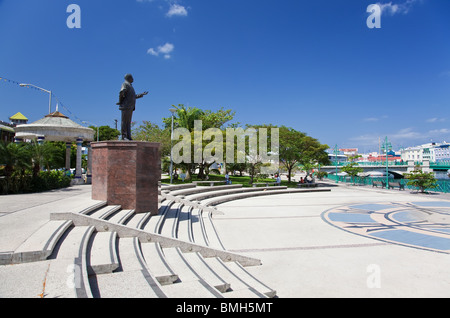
(424,225)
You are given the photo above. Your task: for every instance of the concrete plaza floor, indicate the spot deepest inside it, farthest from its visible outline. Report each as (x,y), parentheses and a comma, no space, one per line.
(302,254)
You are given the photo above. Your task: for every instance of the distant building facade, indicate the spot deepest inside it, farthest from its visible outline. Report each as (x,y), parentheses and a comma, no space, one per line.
(442,152)
(18,119)
(432,152)
(6,132)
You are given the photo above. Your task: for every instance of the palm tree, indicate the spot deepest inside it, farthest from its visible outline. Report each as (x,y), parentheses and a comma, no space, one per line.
(15,157)
(43,155)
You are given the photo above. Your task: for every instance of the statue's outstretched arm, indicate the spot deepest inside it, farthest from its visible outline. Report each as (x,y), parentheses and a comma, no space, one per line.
(141,95)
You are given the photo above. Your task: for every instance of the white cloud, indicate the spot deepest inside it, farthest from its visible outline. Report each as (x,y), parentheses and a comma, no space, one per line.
(164,50)
(443,131)
(374,119)
(435,120)
(371,119)
(177,10)
(401,8)
(406,133)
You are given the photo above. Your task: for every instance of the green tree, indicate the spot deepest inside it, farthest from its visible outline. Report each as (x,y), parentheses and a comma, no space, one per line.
(153,133)
(106,133)
(297,148)
(185,117)
(352,169)
(421,180)
(15,157)
(42,155)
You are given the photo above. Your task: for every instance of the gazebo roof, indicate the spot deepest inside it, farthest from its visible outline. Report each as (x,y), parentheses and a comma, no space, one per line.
(18,116)
(55,127)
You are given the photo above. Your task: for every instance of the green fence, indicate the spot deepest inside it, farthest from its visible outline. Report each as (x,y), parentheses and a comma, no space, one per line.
(443,186)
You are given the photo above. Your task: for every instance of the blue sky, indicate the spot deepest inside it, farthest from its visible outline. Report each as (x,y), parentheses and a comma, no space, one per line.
(311,65)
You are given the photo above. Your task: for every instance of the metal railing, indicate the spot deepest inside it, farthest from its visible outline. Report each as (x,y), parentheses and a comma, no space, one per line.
(439,164)
(442,186)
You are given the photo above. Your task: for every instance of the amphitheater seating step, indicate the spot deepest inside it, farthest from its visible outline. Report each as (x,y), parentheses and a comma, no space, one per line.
(103,254)
(137,220)
(184,232)
(105,212)
(190,284)
(120,217)
(206,272)
(242,283)
(198,233)
(132,279)
(168,226)
(156,262)
(86,207)
(67,275)
(211,233)
(250,279)
(155,221)
(40,245)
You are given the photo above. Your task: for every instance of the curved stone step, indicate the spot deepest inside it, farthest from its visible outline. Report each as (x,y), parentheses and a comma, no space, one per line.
(138,220)
(121,216)
(169,223)
(89,207)
(41,244)
(67,276)
(184,229)
(249,194)
(155,221)
(133,278)
(190,284)
(251,280)
(188,192)
(211,232)
(203,270)
(241,284)
(103,254)
(231,191)
(105,212)
(198,233)
(157,263)
(175,187)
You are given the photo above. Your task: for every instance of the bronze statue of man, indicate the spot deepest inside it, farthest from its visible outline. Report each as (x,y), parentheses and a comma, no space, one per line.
(127,104)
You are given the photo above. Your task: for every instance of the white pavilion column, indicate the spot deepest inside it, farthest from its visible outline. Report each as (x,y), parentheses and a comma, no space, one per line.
(89,165)
(68,152)
(78,171)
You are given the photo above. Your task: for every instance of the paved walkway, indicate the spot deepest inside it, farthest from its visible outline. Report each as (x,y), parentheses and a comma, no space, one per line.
(21,215)
(310,244)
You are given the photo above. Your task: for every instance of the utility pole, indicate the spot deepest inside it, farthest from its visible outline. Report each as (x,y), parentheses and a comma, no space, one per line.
(387,146)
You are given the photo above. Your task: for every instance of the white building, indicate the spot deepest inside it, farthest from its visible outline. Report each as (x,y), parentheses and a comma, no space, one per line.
(423,152)
(442,152)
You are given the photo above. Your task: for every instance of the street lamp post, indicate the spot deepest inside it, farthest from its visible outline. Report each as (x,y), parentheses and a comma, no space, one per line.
(336,151)
(98,130)
(173,111)
(386,147)
(44,90)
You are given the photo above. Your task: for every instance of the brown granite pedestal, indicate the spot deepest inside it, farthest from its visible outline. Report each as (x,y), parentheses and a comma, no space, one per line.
(126,173)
